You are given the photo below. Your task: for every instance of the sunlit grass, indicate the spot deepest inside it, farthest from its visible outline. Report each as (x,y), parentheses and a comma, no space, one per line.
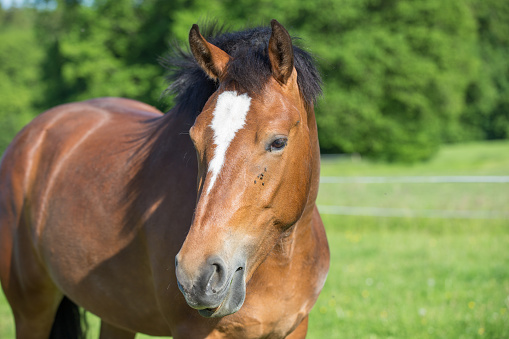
(414,278)
(448,196)
(417,278)
(6,320)
(480,158)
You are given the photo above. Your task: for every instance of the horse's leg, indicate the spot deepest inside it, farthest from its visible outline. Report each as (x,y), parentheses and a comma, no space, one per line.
(33,296)
(109,331)
(300,331)
(34,313)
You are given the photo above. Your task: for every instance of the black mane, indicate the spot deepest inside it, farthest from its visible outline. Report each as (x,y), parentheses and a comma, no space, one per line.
(249,67)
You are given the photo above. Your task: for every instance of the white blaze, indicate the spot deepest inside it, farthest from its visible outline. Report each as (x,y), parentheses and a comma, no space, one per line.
(229,116)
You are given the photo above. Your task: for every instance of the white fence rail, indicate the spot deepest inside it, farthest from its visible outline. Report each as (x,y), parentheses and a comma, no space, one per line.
(410,213)
(413,213)
(415,179)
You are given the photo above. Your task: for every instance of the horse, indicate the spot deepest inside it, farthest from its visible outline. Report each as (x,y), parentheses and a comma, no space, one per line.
(197,223)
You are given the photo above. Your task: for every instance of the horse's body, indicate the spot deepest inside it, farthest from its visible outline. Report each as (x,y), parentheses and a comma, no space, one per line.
(97,199)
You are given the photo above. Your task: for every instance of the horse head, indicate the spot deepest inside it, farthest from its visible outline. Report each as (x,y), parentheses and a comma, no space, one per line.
(256,169)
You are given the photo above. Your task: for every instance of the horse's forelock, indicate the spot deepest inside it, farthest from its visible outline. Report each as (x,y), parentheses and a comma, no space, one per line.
(249,70)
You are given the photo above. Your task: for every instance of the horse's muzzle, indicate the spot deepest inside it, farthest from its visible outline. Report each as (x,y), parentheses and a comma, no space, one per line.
(215,290)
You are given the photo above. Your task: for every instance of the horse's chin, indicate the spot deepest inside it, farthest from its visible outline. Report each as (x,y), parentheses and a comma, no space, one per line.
(232,302)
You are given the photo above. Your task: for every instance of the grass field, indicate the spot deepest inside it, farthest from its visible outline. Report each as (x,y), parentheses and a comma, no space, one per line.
(401,277)
(417,277)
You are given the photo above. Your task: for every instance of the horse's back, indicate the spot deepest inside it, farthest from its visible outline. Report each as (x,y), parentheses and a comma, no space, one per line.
(70,123)
(65,212)
(63,203)
(57,134)
(46,165)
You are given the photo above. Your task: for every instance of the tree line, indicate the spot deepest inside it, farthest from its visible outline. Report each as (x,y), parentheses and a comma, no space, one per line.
(401,77)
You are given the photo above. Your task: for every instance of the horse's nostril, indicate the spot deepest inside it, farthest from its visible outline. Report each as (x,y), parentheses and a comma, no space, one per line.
(218,267)
(215,274)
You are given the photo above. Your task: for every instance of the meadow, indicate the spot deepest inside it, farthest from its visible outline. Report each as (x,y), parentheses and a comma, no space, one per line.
(417,277)
(410,276)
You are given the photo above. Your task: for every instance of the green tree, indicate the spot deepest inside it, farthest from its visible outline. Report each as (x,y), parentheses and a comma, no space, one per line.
(400,76)
(395,72)
(104,50)
(487,113)
(20,59)
(396,77)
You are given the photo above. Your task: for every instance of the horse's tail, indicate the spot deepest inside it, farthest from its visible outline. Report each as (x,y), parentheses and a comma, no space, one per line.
(68,321)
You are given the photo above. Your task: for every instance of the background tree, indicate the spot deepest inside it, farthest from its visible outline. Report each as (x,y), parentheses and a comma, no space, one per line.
(486,115)
(401,77)
(20,72)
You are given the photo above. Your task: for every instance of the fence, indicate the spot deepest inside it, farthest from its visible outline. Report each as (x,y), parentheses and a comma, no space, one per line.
(413,212)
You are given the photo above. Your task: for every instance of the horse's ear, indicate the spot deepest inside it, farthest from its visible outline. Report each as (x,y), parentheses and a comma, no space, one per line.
(280,52)
(211,59)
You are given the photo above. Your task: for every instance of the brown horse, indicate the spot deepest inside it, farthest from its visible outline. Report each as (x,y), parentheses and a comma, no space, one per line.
(99,199)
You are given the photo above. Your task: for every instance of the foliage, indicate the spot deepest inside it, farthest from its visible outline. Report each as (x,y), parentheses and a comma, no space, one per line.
(487,112)
(401,77)
(20,58)
(103,51)
(398,77)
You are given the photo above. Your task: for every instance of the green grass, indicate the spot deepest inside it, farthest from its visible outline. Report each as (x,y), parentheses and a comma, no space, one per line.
(417,277)
(6,320)
(480,158)
(414,278)
(410,277)
(454,196)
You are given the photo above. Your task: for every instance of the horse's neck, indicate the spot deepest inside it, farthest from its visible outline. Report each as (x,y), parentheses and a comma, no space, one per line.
(315,161)
(169,136)
(166,155)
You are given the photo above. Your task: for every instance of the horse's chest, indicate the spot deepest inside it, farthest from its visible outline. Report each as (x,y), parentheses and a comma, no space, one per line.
(256,328)
(267,317)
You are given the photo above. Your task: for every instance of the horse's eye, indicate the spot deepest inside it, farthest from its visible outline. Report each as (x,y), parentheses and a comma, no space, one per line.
(278,144)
